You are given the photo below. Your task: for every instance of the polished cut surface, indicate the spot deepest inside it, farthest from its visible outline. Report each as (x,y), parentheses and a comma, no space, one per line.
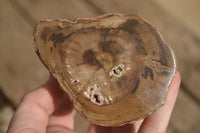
(115,67)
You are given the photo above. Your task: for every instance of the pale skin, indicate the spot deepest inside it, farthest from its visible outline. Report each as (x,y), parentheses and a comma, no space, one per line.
(49,109)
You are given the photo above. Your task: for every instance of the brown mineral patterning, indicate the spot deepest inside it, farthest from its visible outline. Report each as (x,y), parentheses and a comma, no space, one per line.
(115,67)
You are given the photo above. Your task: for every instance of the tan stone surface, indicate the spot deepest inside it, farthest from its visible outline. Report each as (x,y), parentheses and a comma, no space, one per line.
(187,11)
(5,116)
(81,125)
(62,9)
(185,117)
(19,66)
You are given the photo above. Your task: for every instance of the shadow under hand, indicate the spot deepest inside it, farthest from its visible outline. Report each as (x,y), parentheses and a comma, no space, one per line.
(65,107)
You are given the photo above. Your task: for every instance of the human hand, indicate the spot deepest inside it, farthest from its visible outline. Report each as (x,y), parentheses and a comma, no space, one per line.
(49,109)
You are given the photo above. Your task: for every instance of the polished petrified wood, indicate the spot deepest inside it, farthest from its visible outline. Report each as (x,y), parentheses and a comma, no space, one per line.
(116,68)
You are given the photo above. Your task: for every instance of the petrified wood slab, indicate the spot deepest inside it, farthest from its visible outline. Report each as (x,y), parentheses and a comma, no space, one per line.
(116,68)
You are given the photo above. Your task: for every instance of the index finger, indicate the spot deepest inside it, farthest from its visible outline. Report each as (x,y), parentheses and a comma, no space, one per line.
(33,112)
